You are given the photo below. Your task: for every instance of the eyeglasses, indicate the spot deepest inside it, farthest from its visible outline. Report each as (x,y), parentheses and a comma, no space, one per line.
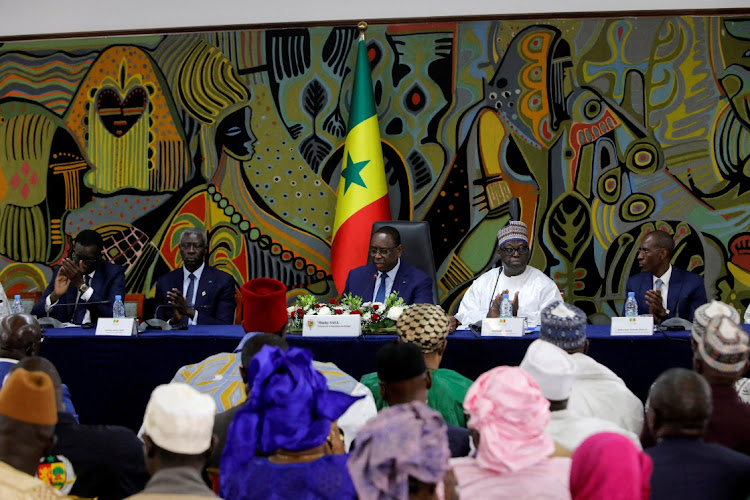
(382,251)
(88,262)
(522,250)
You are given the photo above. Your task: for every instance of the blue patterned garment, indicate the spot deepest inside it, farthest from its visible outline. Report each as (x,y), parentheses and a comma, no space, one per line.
(324,479)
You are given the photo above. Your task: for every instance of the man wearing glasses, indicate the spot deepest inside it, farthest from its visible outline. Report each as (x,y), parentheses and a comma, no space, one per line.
(83,288)
(388,273)
(529,289)
(196,293)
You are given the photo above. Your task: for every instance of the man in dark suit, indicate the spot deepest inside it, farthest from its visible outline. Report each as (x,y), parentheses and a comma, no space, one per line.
(197,294)
(82,279)
(388,273)
(662,289)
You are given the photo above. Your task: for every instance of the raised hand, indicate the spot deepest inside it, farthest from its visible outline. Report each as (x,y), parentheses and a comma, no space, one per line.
(655,305)
(62,282)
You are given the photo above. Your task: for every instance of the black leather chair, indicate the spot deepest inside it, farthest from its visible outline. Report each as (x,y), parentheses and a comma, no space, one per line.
(417,246)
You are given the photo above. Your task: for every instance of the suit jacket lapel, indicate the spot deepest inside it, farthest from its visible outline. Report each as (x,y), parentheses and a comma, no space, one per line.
(675,289)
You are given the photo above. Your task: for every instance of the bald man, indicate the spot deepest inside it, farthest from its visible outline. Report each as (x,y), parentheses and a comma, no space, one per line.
(685,466)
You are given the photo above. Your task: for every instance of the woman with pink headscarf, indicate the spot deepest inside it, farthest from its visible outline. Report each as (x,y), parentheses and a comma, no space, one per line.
(507,409)
(608,465)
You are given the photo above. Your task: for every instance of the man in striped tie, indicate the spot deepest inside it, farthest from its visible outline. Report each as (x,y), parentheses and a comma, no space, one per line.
(662,289)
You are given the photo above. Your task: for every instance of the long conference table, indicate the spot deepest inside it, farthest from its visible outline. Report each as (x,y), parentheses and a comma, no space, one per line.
(111,378)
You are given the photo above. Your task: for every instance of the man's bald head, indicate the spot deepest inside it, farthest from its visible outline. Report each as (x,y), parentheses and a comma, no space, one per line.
(20,336)
(679,404)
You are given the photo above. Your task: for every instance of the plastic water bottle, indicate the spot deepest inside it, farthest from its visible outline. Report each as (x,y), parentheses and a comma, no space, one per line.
(17,305)
(118,310)
(631,306)
(506,308)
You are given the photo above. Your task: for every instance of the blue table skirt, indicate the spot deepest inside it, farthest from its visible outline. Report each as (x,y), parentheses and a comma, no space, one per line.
(111,378)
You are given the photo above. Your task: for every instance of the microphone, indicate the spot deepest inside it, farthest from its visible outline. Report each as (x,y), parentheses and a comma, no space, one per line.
(492,294)
(676,323)
(56,323)
(156,323)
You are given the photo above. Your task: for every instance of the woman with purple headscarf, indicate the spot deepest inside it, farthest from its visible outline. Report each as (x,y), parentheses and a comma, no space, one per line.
(278,443)
(509,412)
(401,454)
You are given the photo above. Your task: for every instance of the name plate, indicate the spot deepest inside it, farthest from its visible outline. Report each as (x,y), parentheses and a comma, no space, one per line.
(344,325)
(639,325)
(123,327)
(503,327)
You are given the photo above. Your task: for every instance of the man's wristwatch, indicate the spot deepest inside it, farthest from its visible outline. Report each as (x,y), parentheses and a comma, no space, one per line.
(84,288)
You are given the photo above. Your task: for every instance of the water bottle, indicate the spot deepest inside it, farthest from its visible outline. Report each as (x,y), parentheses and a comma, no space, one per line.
(17,305)
(506,308)
(118,310)
(631,306)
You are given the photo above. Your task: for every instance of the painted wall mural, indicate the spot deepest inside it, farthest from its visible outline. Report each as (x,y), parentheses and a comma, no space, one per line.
(603,128)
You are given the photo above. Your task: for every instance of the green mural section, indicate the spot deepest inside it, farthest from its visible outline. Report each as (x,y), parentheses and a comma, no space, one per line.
(604,129)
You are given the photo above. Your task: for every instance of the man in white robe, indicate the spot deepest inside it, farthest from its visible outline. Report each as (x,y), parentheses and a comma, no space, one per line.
(529,289)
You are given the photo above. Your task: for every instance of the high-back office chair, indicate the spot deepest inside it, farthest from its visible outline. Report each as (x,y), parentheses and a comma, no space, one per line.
(417,246)
(134,305)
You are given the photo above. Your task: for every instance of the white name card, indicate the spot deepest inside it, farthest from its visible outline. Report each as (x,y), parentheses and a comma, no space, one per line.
(639,325)
(123,327)
(344,325)
(503,327)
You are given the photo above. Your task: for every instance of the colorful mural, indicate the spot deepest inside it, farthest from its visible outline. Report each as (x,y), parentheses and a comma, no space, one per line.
(603,128)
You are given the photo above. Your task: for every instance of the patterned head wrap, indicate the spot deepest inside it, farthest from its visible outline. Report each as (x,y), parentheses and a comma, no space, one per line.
(289,407)
(426,325)
(563,325)
(724,347)
(404,440)
(513,231)
(508,409)
(593,476)
(706,312)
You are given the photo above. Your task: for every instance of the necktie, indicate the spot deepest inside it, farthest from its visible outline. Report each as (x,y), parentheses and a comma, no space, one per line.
(191,287)
(80,309)
(380,296)
(657,286)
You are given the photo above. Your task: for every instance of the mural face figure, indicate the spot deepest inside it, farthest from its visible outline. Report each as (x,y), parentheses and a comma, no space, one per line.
(514,256)
(193,251)
(651,257)
(235,134)
(385,253)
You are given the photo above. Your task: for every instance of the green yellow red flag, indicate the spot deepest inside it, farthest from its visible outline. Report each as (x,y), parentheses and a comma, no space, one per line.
(362,191)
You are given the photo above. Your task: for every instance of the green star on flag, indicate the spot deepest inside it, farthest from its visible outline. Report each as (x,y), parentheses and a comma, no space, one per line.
(353,172)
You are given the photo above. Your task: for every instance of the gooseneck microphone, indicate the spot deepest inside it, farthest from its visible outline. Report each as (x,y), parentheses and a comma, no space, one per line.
(56,323)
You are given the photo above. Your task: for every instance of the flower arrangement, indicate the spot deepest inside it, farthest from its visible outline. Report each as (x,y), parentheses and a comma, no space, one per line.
(376,317)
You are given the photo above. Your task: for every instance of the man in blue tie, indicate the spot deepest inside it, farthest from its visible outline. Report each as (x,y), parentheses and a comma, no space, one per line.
(388,273)
(662,289)
(196,294)
(83,288)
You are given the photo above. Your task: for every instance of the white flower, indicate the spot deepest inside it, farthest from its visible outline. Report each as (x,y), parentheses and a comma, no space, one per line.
(366,304)
(395,312)
(325,311)
(381,306)
(291,309)
(366,317)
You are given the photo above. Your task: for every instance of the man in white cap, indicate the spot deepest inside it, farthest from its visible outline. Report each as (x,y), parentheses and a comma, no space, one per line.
(597,391)
(554,371)
(529,289)
(178,437)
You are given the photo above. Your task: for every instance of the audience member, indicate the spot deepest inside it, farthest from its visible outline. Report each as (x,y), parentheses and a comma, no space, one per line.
(509,412)
(661,289)
(427,325)
(597,391)
(401,454)
(177,440)
(404,377)
(529,289)
(288,417)
(20,337)
(264,308)
(388,273)
(722,358)
(4,304)
(82,278)
(28,415)
(606,466)
(703,316)
(89,461)
(686,467)
(196,294)
(554,371)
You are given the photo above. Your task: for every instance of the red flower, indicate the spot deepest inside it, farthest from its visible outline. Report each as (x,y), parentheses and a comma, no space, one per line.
(356,312)
(375,317)
(318,306)
(375,307)
(339,311)
(300,312)
(332,301)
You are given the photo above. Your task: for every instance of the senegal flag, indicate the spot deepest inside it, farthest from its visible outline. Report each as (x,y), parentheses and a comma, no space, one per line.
(362,193)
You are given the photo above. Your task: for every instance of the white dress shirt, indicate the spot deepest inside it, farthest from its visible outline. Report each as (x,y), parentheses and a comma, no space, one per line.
(186,283)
